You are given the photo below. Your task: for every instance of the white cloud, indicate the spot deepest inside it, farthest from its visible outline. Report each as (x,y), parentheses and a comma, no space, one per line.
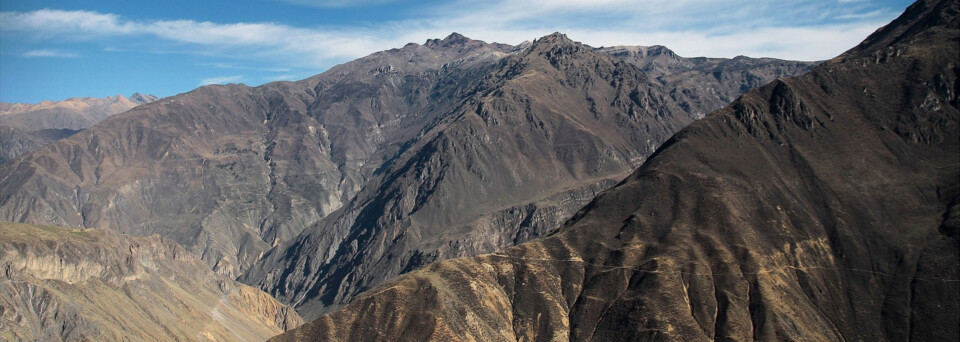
(221,80)
(49,53)
(791,29)
(858,16)
(336,3)
(283,77)
(78,24)
(235,66)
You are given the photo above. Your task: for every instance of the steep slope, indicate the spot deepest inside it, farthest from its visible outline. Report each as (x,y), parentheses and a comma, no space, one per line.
(823,207)
(228,171)
(98,285)
(539,137)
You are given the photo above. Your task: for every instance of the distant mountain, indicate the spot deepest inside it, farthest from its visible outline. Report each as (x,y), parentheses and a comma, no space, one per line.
(75,113)
(97,285)
(705,82)
(362,160)
(26,127)
(821,207)
(140,99)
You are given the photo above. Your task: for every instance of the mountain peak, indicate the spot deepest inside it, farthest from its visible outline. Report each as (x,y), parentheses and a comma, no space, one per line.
(141,98)
(453,39)
(554,38)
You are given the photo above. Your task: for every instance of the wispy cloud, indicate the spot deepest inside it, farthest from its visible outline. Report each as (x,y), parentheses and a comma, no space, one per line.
(336,3)
(794,29)
(282,77)
(221,80)
(259,40)
(858,16)
(50,54)
(235,66)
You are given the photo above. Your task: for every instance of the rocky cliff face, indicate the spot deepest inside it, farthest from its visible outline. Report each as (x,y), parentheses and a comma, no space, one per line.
(822,207)
(94,284)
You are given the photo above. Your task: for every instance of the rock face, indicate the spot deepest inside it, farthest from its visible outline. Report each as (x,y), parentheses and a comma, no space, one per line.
(26,127)
(822,207)
(99,285)
(232,171)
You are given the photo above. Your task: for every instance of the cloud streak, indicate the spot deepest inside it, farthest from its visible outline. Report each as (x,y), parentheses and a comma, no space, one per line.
(690,27)
(49,53)
(221,80)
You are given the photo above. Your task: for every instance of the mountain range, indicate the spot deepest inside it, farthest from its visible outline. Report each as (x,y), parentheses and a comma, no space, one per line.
(376,167)
(25,127)
(464,190)
(819,207)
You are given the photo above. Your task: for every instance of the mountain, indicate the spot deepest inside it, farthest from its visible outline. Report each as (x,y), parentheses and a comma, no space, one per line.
(537,138)
(95,284)
(140,99)
(27,127)
(14,142)
(73,113)
(705,83)
(231,172)
(821,207)
(228,170)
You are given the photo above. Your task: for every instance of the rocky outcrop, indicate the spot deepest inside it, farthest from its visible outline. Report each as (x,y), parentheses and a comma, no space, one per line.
(822,207)
(94,284)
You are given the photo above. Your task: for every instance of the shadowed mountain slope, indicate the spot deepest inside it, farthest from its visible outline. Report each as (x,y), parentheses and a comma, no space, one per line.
(822,207)
(14,142)
(98,285)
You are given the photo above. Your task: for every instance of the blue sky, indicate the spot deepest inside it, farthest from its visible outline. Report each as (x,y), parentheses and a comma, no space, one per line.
(53,50)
